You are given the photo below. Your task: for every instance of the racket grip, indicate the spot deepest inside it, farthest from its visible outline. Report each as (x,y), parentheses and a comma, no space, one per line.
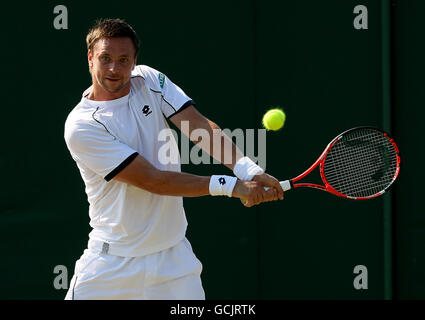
(286,185)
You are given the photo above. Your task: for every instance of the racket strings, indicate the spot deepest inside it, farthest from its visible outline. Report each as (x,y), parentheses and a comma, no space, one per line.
(361,164)
(368,180)
(359,172)
(351,165)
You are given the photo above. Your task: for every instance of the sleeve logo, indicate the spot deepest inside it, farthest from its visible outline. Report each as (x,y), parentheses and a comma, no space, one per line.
(161,78)
(222,181)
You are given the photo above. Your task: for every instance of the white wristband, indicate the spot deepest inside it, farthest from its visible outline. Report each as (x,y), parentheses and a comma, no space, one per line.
(222,185)
(246,169)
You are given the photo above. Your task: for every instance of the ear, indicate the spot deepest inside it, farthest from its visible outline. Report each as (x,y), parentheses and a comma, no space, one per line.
(90,58)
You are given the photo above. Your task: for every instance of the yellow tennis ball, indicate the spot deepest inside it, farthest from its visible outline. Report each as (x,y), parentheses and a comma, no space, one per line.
(274,119)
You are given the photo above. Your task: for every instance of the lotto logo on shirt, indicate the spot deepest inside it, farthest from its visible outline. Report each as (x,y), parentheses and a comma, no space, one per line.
(146,110)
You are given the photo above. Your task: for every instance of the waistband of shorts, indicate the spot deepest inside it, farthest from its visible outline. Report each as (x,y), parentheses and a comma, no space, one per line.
(101,246)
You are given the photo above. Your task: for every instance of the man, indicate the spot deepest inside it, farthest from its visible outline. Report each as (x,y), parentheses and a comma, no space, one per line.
(137,248)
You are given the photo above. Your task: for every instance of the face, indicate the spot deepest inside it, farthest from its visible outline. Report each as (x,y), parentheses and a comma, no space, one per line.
(111,63)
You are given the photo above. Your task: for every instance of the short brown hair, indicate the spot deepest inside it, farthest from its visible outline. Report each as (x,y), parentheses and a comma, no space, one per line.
(111,28)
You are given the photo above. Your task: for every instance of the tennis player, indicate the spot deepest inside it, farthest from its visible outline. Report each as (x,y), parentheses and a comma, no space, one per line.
(137,248)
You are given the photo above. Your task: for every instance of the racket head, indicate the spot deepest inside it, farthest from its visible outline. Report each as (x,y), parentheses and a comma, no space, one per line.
(360,163)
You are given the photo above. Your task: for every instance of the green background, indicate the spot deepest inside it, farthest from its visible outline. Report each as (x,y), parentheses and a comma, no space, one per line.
(235,59)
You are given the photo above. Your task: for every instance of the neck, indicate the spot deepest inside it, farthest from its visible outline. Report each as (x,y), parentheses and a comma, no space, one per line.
(100,94)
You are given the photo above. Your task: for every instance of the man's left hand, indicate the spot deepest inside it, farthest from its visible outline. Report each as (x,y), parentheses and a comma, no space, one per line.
(271,182)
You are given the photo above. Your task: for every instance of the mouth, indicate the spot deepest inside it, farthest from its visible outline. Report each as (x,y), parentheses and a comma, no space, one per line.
(113,79)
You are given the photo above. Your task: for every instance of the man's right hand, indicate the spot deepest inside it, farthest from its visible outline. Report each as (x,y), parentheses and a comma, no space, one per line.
(252,193)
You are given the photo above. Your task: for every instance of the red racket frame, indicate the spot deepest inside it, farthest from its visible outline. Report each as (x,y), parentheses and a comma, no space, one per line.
(321,160)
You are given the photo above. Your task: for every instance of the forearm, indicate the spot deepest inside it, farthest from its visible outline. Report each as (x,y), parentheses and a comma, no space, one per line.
(211,139)
(229,151)
(144,175)
(216,143)
(208,136)
(175,184)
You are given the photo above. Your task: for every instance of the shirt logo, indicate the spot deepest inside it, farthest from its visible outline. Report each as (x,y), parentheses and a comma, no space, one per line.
(161,78)
(146,110)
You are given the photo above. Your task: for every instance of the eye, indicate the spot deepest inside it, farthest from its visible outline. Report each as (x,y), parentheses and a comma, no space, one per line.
(124,60)
(105,59)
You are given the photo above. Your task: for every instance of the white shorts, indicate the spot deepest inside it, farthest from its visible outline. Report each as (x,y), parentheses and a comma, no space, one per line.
(172,274)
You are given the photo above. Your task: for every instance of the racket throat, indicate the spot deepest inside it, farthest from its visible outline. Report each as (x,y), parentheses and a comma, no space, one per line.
(314,179)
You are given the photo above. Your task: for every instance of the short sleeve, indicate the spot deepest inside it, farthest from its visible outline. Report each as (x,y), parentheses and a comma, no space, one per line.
(97,149)
(173,98)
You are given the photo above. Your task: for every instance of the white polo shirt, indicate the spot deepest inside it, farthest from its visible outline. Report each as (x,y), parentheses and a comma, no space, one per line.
(105,136)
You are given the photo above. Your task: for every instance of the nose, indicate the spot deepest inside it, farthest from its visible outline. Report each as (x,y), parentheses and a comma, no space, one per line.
(114,66)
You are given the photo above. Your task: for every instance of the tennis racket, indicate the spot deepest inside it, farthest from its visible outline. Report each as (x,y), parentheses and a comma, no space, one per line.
(360,163)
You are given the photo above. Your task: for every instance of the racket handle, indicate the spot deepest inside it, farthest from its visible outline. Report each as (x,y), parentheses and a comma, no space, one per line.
(286,185)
